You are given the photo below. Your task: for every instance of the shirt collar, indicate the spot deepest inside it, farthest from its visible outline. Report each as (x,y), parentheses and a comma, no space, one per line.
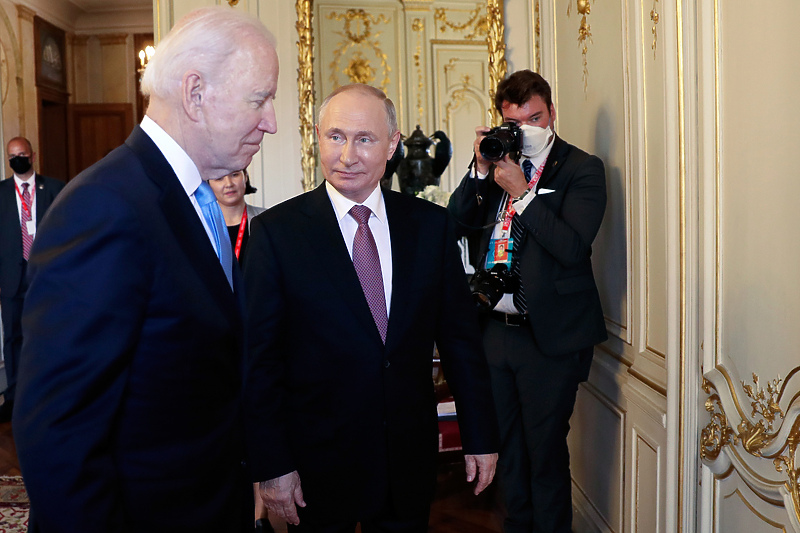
(19,181)
(342,205)
(178,159)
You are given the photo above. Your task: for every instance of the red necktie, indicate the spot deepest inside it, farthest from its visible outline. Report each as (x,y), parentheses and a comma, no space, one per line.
(368,268)
(27,238)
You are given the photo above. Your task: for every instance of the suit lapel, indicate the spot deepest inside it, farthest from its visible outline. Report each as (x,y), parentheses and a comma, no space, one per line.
(404,231)
(324,238)
(43,199)
(555,161)
(182,219)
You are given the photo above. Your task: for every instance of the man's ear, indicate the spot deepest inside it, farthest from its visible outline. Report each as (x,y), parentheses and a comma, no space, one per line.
(395,139)
(193,94)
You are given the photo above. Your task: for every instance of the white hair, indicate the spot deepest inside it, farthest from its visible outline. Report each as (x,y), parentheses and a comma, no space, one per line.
(202,40)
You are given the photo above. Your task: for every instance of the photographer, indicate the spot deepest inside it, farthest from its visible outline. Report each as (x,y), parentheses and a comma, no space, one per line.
(532,216)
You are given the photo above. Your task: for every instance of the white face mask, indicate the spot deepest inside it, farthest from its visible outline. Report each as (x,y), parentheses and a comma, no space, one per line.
(534,139)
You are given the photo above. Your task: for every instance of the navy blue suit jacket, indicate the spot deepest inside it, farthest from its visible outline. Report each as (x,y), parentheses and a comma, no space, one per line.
(128,414)
(355,418)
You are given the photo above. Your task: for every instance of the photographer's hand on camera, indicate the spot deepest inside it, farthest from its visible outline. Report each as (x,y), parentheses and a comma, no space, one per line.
(482,166)
(507,174)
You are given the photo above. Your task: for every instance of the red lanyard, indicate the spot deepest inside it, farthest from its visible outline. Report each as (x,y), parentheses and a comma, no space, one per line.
(242,226)
(25,206)
(510,211)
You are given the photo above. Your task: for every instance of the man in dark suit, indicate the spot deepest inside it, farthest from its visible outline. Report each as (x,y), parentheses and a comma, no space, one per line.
(128,413)
(535,219)
(24,199)
(349,286)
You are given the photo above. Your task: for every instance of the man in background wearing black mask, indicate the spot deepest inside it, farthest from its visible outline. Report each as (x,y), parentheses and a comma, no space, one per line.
(24,198)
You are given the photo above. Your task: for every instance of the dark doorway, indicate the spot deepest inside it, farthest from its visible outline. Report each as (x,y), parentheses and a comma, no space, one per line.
(53,156)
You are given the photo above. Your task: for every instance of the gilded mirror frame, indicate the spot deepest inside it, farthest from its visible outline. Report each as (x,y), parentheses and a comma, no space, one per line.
(496,48)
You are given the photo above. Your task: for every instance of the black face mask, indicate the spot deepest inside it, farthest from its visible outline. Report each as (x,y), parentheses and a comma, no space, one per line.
(20,164)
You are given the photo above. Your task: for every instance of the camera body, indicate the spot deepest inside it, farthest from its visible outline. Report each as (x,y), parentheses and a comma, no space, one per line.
(501,140)
(488,286)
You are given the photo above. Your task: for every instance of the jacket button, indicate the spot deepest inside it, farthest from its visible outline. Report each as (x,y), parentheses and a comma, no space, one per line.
(386,363)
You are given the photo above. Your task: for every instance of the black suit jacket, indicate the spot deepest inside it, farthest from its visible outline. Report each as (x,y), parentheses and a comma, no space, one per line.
(128,412)
(11,261)
(555,257)
(357,419)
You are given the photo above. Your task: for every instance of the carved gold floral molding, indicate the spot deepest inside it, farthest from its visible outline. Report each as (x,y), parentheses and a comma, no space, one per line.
(584,8)
(497,51)
(458,97)
(476,25)
(305,89)
(358,32)
(491,25)
(654,17)
(742,438)
(419,28)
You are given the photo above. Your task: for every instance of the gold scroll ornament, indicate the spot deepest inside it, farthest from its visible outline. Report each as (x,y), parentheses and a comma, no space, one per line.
(758,433)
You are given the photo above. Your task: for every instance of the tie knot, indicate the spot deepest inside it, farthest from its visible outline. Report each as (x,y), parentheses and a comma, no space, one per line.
(204,195)
(527,168)
(361,213)
(25,186)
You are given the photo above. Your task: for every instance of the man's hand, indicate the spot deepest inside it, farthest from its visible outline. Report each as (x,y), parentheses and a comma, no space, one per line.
(481,164)
(281,496)
(484,465)
(510,177)
(507,174)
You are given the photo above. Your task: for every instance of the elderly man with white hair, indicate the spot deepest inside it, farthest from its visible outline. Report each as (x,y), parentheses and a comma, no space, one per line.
(128,412)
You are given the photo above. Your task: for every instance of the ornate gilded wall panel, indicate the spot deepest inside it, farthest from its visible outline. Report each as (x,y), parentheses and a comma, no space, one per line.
(462,100)
(752,432)
(654,182)
(360,45)
(598,122)
(392,45)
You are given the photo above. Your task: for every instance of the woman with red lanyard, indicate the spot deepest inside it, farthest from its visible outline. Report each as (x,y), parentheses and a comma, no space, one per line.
(230,191)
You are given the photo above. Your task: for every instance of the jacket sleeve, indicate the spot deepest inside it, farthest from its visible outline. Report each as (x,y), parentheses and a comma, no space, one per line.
(268,449)
(464,363)
(83,312)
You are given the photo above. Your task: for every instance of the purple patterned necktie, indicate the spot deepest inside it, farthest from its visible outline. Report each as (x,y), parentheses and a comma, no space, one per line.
(27,238)
(368,267)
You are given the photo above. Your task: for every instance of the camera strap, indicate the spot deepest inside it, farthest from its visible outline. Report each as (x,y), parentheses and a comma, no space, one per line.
(510,211)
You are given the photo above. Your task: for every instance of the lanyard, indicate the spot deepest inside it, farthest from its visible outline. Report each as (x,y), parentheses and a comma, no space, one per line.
(240,237)
(510,211)
(26,207)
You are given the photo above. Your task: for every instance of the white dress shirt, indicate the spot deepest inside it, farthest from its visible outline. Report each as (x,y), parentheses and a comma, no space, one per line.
(378,225)
(181,164)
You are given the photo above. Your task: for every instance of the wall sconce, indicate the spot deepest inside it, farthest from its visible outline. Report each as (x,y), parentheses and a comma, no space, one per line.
(145,56)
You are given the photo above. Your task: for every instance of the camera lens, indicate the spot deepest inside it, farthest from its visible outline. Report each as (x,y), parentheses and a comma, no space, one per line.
(492,148)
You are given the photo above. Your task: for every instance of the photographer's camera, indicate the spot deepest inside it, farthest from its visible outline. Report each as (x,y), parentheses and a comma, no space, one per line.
(488,286)
(504,139)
